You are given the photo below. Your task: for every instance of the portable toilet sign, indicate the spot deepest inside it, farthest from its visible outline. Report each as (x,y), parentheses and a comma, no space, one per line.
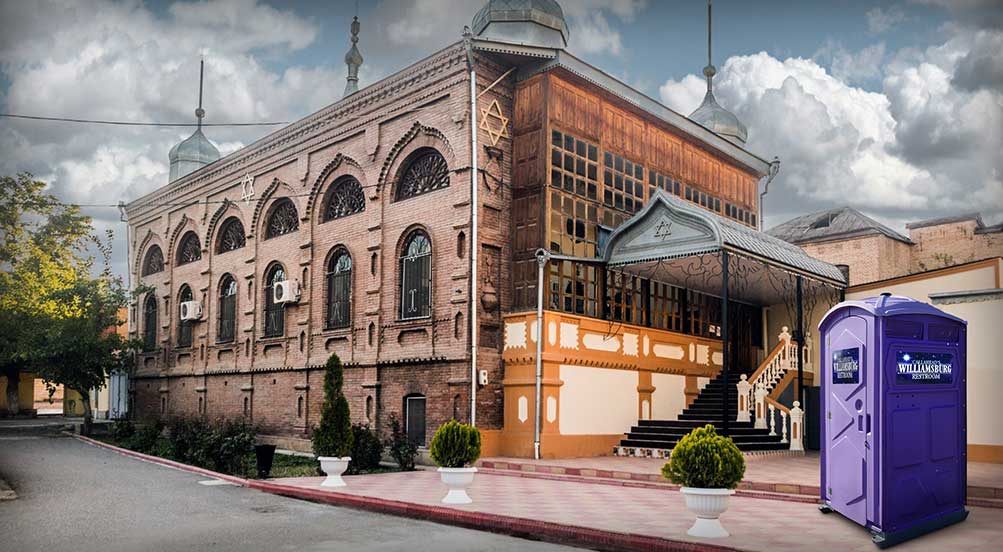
(893,434)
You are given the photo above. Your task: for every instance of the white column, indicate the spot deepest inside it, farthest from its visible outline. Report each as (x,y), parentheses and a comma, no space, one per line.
(744,388)
(783,426)
(797,427)
(773,423)
(760,406)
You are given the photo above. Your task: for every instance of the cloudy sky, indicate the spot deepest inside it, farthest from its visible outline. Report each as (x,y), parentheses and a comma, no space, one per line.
(892,107)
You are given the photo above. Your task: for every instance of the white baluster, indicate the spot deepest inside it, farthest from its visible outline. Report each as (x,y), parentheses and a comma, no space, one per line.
(785,337)
(797,427)
(783,426)
(773,423)
(760,406)
(743,399)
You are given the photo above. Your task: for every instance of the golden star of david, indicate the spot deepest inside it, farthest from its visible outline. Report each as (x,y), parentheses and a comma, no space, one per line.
(491,114)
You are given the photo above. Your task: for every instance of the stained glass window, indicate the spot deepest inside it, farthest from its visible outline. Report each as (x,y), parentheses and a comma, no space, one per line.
(184,326)
(154,261)
(231,235)
(189,251)
(274,312)
(339,290)
(227,309)
(416,277)
(150,323)
(283,219)
(344,199)
(426,172)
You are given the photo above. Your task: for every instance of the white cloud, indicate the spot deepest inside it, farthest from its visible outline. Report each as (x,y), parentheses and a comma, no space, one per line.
(921,146)
(880,20)
(859,66)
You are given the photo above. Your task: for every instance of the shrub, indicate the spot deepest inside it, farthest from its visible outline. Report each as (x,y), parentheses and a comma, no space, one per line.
(146,437)
(226,445)
(367,450)
(122,431)
(402,449)
(706,460)
(456,445)
(333,437)
(184,439)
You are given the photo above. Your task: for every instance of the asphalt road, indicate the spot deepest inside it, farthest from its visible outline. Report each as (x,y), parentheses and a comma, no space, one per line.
(77,497)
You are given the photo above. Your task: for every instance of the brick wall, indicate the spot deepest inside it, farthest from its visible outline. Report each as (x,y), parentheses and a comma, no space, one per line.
(952,243)
(870,258)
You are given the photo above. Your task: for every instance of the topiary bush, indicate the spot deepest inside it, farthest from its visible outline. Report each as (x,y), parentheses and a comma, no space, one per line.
(333,437)
(367,450)
(705,460)
(456,445)
(402,449)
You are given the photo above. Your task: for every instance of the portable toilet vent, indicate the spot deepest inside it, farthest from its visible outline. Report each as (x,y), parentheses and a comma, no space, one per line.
(893,403)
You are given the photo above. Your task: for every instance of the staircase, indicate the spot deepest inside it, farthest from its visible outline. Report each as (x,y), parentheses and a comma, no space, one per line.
(656,438)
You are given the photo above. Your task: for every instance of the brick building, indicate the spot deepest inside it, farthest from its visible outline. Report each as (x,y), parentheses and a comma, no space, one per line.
(365,237)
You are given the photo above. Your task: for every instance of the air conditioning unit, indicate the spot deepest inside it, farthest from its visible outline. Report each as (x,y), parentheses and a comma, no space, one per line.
(286,291)
(191,310)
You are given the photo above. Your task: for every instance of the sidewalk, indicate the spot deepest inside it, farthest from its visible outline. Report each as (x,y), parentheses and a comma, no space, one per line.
(755,524)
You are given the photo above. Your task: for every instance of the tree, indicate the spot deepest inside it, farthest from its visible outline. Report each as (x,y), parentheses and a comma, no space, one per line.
(333,437)
(43,247)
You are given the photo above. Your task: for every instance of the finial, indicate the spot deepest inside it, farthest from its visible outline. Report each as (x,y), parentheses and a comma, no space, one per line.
(709,71)
(353,59)
(199,112)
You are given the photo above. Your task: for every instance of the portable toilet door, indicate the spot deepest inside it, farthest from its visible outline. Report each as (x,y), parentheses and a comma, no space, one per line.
(849,457)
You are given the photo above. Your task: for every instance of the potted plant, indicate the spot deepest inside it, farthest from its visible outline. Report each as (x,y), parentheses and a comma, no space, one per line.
(453,448)
(332,439)
(708,466)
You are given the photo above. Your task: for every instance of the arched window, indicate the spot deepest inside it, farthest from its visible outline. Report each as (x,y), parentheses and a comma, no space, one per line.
(189,249)
(416,276)
(154,261)
(339,290)
(227,309)
(283,220)
(426,171)
(150,323)
(184,326)
(344,199)
(231,235)
(275,320)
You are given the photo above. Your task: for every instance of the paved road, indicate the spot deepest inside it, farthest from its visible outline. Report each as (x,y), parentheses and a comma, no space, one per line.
(81,498)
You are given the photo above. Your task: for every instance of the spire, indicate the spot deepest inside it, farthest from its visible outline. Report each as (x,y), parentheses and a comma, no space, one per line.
(196,151)
(353,58)
(199,112)
(710,114)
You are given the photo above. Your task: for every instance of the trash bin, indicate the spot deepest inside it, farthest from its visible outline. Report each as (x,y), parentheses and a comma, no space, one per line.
(264,455)
(893,398)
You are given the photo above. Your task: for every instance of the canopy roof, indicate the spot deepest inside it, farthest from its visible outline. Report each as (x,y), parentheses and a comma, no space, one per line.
(673,241)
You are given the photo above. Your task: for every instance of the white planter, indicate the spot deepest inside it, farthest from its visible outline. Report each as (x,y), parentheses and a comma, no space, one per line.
(333,467)
(457,479)
(708,505)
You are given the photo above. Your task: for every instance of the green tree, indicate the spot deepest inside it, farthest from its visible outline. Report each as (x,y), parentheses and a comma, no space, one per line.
(43,246)
(333,436)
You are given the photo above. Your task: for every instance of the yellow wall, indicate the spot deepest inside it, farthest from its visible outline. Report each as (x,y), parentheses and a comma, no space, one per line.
(25,393)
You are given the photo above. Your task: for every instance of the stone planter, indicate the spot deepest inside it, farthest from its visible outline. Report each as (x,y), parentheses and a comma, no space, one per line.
(457,480)
(708,505)
(333,467)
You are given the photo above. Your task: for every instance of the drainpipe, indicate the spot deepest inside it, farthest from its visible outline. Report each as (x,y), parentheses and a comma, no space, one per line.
(542,258)
(774,169)
(474,239)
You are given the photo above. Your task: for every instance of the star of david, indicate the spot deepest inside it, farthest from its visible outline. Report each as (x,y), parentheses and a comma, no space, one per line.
(247,188)
(494,122)
(663,230)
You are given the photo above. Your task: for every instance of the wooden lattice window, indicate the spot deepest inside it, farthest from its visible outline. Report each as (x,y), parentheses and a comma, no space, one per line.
(344,199)
(416,277)
(231,235)
(339,290)
(283,220)
(189,250)
(154,261)
(227,309)
(425,172)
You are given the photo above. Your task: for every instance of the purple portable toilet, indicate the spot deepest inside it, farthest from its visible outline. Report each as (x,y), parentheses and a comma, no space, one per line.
(893,402)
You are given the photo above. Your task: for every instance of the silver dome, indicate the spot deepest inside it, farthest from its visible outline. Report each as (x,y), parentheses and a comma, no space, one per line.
(191,154)
(532,22)
(719,120)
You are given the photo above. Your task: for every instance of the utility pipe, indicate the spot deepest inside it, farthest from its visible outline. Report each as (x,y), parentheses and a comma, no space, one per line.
(542,259)
(774,169)
(474,243)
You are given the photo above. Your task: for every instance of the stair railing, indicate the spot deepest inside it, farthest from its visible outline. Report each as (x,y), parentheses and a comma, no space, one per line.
(791,423)
(753,390)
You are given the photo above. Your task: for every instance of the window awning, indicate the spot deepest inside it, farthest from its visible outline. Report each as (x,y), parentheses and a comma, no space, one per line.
(673,241)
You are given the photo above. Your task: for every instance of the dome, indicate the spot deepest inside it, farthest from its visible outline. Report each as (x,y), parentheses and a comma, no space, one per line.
(715,118)
(530,22)
(191,154)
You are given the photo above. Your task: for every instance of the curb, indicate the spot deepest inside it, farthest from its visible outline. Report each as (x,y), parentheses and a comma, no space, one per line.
(556,533)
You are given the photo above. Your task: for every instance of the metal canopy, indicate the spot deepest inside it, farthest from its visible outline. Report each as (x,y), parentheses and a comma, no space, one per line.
(675,242)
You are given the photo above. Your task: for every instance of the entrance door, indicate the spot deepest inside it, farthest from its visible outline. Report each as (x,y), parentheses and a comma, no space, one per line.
(848,418)
(415,420)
